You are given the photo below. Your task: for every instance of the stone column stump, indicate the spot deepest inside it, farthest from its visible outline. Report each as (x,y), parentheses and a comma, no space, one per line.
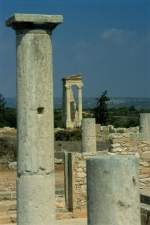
(88,135)
(145,126)
(113,190)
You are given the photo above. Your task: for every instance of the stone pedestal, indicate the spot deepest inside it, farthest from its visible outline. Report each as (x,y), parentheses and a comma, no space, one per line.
(145,126)
(88,135)
(113,190)
(35,173)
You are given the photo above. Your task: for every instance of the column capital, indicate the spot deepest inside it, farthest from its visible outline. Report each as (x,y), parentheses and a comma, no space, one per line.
(21,21)
(67,86)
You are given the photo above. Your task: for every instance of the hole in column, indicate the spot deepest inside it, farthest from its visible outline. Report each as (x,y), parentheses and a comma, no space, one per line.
(40,110)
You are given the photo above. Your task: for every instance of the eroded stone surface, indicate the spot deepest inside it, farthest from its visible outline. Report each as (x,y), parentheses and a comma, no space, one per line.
(145,126)
(113,190)
(35,134)
(35,199)
(88,135)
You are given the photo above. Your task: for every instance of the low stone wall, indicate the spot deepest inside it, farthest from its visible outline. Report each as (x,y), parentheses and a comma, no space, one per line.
(131,143)
(100,130)
(103,133)
(75,180)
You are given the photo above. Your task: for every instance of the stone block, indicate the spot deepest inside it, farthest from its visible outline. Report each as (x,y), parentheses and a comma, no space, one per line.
(146,156)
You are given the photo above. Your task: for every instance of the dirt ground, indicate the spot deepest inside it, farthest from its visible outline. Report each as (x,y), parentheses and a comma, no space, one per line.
(8,179)
(72,222)
(8,195)
(67,222)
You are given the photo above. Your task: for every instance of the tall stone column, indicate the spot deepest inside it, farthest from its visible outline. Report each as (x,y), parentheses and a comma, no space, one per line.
(80,104)
(68,109)
(113,190)
(145,126)
(64,105)
(88,135)
(35,133)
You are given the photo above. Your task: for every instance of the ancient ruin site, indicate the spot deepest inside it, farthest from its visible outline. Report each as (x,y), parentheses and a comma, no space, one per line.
(73,165)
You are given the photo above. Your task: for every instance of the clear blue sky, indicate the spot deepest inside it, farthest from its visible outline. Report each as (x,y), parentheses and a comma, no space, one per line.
(108,41)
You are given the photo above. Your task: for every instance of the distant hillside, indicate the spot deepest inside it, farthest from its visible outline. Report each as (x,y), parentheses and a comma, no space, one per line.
(120,102)
(11,102)
(91,102)
(128,101)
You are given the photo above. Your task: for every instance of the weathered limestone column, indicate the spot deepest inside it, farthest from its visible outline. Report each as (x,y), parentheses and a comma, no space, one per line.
(113,190)
(35,173)
(80,104)
(68,110)
(64,105)
(145,126)
(88,135)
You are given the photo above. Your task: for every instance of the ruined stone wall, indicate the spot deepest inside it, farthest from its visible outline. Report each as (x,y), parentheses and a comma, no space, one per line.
(103,133)
(119,143)
(76,181)
(129,143)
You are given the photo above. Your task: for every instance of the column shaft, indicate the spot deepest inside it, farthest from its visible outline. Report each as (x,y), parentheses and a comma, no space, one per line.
(80,105)
(145,126)
(88,135)
(113,190)
(35,131)
(35,128)
(68,109)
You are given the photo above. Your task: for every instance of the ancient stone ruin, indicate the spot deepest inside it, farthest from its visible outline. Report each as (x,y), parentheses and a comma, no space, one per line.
(102,185)
(72,108)
(121,142)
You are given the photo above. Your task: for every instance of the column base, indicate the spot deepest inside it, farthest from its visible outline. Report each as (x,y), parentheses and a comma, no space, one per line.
(69,124)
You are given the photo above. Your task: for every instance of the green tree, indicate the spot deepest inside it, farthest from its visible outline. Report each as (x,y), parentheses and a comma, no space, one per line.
(2,104)
(7,115)
(2,110)
(10,117)
(101,110)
